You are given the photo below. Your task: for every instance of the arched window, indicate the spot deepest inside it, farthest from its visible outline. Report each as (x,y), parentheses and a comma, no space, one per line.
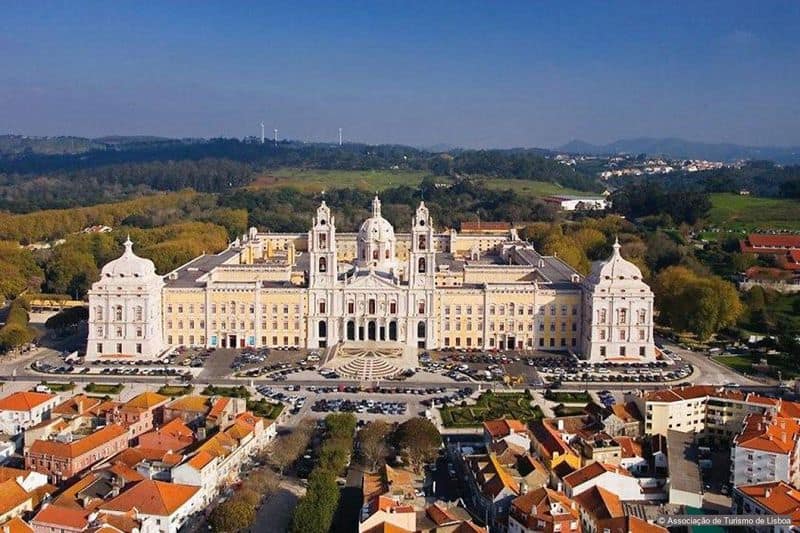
(387,254)
(323,329)
(421,330)
(323,264)
(118,312)
(422,242)
(323,241)
(421,265)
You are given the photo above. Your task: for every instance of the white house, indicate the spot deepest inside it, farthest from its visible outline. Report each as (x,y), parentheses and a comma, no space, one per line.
(615,479)
(766,450)
(21,410)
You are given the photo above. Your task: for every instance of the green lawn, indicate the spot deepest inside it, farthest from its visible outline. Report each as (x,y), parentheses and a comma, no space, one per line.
(492,405)
(316,180)
(173,391)
(265,409)
(747,213)
(231,392)
(536,189)
(743,364)
(103,388)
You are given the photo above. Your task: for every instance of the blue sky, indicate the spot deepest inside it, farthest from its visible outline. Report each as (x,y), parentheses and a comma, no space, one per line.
(479,74)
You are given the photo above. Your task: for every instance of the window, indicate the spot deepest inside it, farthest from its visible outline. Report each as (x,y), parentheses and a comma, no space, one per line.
(641,351)
(602,351)
(180,308)
(371,306)
(351,307)
(138,332)
(118,312)
(642,334)
(421,308)
(601,316)
(622,335)
(138,348)
(375,254)
(602,334)
(421,265)
(623,316)
(422,242)
(622,351)
(322,307)
(393,307)
(119,331)
(323,264)
(98,313)
(642,316)
(99,347)
(323,241)
(119,347)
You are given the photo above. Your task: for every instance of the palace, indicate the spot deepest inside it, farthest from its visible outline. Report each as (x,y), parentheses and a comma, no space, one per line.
(478,289)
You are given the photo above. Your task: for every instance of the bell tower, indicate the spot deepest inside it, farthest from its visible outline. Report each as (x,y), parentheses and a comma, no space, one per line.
(322,249)
(422,256)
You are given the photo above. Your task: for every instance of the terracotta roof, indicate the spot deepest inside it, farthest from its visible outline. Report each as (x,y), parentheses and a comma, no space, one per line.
(144,401)
(24,400)
(12,495)
(768,274)
(762,240)
(398,478)
(174,435)
(152,498)
(563,469)
(630,447)
(600,503)
(440,515)
(637,525)
(494,478)
(218,406)
(6,473)
(500,428)
(768,433)
(540,503)
(693,392)
(386,527)
(777,496)
(372,485)
(16,525)
(81,446)
(77,405)
(61,517)
(196,404)
(591,471)
(220,445)
(787,409)
(130,457)
(200,459)
(548,439)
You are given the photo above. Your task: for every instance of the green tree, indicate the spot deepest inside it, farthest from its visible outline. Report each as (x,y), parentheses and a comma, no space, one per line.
(232,515)
(373,443)
(418,441)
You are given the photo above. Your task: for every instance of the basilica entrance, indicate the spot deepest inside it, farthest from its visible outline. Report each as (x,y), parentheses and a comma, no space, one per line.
(351,330)
(371,330)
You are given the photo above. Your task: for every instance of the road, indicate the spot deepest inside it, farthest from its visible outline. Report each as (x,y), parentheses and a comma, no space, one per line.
(276,513)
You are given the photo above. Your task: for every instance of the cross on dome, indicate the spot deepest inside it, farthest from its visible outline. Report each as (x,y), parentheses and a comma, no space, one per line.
(376,207)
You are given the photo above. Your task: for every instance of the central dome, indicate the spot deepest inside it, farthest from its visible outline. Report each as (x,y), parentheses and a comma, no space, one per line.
(376,241)
(129,265)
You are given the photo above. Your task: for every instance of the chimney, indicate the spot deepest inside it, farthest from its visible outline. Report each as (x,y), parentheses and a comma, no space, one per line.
(560,425)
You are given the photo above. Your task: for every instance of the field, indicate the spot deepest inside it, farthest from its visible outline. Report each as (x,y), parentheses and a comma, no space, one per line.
(747,213)
(536,189)
(491,406)
(316,180)
(743,364)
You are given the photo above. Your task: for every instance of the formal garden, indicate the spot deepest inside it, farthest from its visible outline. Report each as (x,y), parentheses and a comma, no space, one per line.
(489,406)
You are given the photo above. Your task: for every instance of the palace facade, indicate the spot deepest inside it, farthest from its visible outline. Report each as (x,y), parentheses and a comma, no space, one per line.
(478,289)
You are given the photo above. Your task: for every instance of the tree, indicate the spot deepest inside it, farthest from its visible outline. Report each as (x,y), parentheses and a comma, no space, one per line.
(373,442)
(702,305)
(232,515)
(418,440)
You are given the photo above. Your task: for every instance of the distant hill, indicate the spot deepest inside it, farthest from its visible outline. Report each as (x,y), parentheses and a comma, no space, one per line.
(11,145)
(684,149)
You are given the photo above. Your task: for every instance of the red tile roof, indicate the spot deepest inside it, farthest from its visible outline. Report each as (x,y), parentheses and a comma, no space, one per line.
(541,504)
(482,225)
(16,525)
(24,401)
(81,446)
(503,427)
(762,240)
(151,497)
(768,433)
(600,503)
(61,517)
(777,496)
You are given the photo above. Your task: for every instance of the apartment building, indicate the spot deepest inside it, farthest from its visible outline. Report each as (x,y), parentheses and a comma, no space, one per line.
(766,450)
